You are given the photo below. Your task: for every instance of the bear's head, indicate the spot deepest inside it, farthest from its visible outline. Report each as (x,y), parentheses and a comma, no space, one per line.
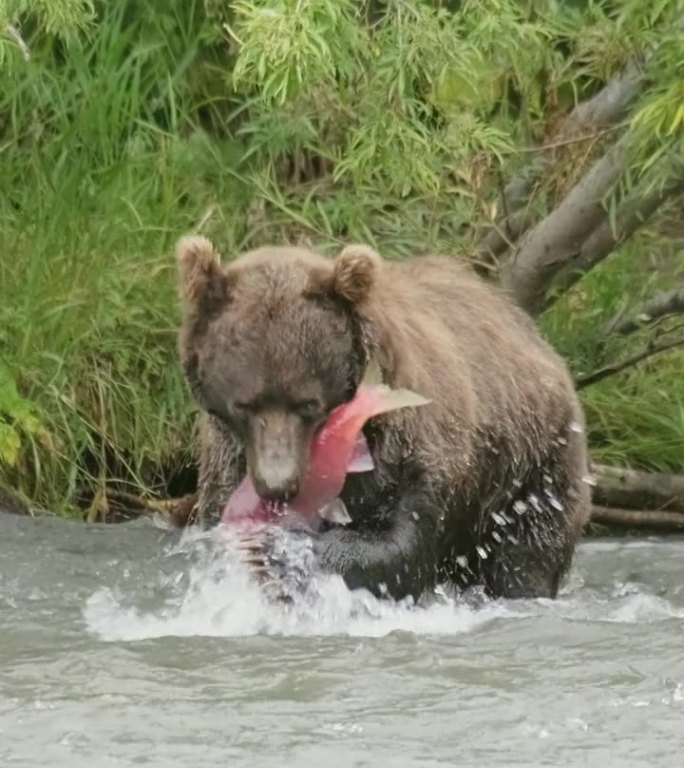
(270,344)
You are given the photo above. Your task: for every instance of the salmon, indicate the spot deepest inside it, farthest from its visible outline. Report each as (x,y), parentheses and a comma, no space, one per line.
(339,447)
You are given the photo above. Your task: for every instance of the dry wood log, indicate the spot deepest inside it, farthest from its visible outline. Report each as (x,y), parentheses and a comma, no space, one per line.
(637,490)
(121,507)
(637,518)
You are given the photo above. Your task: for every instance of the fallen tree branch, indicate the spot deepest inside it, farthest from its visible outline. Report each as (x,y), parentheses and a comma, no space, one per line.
(660,305)
(635,489)
(611,103)
(588,119)
(121,506)
(653,348)
(633,518)
(500,237)
(603,240)
(546,248)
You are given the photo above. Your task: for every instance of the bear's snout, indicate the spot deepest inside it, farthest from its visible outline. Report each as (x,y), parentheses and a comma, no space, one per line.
(276,481)
(275,454)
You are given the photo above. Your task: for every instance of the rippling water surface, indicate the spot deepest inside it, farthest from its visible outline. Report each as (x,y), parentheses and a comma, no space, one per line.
(124,645)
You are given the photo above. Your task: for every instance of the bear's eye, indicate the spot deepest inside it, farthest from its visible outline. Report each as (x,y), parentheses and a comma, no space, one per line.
(309,409)
(242,408)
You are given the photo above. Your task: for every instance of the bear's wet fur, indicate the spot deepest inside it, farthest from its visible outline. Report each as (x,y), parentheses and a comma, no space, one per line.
(485,486)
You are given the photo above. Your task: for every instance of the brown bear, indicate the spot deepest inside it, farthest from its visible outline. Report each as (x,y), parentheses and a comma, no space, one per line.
(486,486)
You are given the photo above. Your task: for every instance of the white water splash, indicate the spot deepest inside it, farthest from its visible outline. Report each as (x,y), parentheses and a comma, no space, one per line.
(211,594)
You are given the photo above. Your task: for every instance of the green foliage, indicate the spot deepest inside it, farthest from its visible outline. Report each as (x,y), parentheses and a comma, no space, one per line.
(636,417)
(384,101)
(17,417)
(64,19)
(105,164)
(320,121)
(301,46)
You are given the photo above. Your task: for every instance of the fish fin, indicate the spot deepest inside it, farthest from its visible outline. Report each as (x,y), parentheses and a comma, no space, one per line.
(403,398)
(335,511)
(361,459)
(373,375)
(361,464)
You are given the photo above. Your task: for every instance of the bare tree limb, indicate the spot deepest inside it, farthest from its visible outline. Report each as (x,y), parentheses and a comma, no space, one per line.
(635,489)
(603,110)
(500,236)
(632,518)
(550,245)
(660,305)
(603,240)
(654,348)
(612,102)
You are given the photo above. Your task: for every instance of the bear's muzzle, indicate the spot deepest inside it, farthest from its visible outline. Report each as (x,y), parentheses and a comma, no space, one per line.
(276,454)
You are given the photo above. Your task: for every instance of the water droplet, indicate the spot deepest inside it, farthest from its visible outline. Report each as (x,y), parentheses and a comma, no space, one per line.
(462,561)
(513,539)
(534,501)
(498,519)
(562,441)
(575,427)
(481,552)
(589,480)
(520,507)
(517,483)
(497,536)
(548,479)
(415,515)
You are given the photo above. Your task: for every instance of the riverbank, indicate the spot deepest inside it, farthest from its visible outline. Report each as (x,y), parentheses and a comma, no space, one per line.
(630,506)
(112,149)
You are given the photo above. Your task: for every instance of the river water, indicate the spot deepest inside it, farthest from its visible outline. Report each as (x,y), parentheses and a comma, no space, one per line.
(126,645)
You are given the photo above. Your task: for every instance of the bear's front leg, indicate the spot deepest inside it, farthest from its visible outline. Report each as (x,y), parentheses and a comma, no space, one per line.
(398,560)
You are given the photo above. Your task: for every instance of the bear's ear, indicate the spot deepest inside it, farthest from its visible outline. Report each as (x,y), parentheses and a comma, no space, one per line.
(354,272)
(203,284)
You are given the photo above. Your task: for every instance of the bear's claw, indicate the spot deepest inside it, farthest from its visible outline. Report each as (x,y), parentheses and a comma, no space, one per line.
(269,557)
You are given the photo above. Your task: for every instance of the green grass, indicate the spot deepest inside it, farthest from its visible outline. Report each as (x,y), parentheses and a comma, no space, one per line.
(635,417)
(98,182)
